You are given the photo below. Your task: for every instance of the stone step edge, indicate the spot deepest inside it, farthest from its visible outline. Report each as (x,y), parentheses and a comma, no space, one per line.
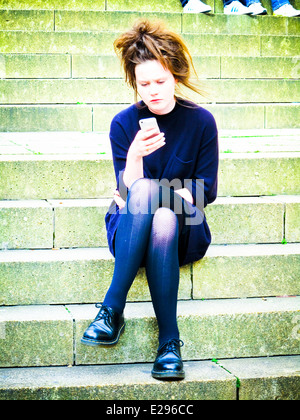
(191,307)
(180,21)
(226,155)
(237,328)
(57,223)
(261,45)
(115,32)
(103,253)
(133,310)
(269,378)
(227,133)
(65,146)
(95,117)
(233,271)
(104,202)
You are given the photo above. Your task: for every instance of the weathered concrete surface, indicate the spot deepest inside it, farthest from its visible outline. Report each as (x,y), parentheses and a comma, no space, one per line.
(245,220)
(60,177)
(84,275)
(210,329)
(81,223)
(26,224)
(35,336)
(272,378)
(98,117)
(204,381)
(68,276)
(247,271)
(76,225)
(47,118)
(87,172)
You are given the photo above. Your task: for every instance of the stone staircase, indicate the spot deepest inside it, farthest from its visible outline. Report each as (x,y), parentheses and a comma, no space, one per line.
(238,307)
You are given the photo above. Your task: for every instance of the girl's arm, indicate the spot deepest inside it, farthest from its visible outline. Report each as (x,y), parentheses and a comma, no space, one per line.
(145,143)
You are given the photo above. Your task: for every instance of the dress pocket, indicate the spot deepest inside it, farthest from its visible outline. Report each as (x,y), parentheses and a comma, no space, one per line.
(181,169)
(181,161)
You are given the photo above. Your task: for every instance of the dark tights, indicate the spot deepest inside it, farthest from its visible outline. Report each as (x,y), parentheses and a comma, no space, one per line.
(148,234)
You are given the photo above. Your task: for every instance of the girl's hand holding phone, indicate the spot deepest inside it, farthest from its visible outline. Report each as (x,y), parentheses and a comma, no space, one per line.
(148,140)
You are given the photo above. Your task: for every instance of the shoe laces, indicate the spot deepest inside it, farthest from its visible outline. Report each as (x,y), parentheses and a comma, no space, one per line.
(104,313)
(170,345)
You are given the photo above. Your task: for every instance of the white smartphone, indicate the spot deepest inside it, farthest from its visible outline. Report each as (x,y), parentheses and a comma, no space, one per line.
(147,123)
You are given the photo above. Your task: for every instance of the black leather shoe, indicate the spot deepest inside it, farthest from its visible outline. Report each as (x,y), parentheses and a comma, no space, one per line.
(168,364)
(106,329)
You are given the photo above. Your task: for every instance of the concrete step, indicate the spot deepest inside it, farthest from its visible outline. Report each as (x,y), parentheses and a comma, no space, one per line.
(39,224)
(92,177)
(65,66)
(115,91)
(228,328)
(56,45)
(99,21)
(62,144)
(83,42)
(70,276)
(79,165)
(83,275)
(114,5)
(265,378)
(93,117)
(87,5)
(46,53)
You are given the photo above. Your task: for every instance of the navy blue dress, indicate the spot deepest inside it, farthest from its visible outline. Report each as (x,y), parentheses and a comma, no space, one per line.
(190,155)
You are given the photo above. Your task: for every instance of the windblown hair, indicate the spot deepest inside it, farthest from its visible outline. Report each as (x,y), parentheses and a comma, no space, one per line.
(152,41)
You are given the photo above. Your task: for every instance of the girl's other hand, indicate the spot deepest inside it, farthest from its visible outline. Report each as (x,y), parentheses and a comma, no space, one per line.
(119,200)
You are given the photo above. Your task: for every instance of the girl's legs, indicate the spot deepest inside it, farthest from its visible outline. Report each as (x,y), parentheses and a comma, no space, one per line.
(148,231)
(162,268)
(131,242)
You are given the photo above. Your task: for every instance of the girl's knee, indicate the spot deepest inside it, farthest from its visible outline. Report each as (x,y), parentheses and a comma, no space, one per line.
(164,219)
(143,197)
(145,190)
(143,186)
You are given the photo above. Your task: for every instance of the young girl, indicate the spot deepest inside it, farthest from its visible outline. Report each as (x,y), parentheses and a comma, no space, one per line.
(165,175)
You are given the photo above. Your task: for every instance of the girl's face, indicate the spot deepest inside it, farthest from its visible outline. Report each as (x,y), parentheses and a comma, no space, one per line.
(156,86)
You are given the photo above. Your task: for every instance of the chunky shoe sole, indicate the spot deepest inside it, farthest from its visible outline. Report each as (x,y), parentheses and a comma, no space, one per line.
(90,342)
(168,375)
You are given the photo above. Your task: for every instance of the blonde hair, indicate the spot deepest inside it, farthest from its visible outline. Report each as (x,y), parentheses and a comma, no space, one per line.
(152,41)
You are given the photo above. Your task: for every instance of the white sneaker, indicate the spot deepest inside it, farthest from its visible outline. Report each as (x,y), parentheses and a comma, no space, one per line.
(196,6)
(286,10)
(257,9)
(236,8)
